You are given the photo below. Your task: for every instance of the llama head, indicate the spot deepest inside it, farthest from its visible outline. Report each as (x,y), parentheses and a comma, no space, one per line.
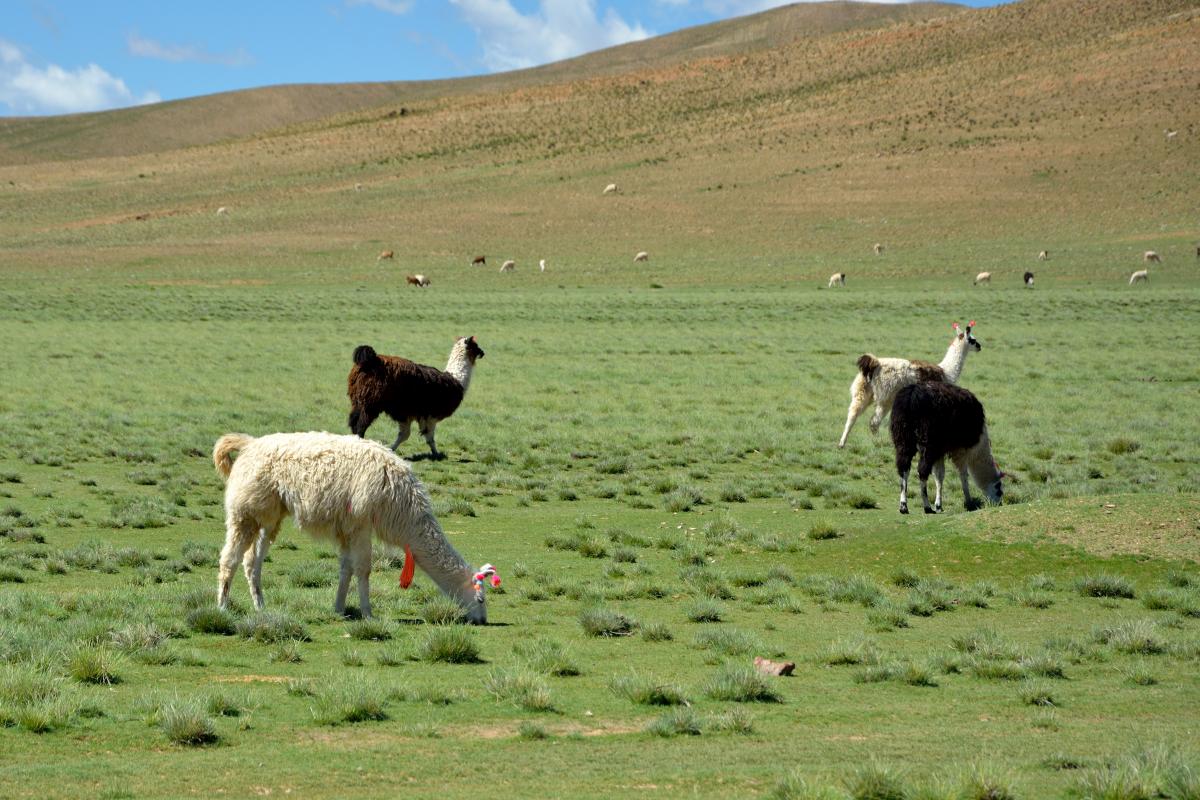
(966,334)
(474,351)
(995,488)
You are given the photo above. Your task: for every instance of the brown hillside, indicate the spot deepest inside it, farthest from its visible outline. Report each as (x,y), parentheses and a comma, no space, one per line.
(212,118)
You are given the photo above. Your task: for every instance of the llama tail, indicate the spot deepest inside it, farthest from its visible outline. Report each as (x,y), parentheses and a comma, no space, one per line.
(868,365)
(365,355)
(224,449)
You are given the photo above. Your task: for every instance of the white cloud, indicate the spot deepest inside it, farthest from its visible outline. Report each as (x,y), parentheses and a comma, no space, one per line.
(558,29)
(29,89)
(148,48)
(739,8)
(397,7)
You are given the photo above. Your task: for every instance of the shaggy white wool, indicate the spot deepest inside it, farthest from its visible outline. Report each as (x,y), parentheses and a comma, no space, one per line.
(341,488)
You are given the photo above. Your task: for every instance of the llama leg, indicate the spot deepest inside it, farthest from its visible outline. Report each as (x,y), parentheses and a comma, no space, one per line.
(252,564)
(361,560)
(344,572)
(860,396)
(968,502)
(923,470)
(903,465)
(405,430)
(427,426)
(939,475)
(881,411)
(239,537)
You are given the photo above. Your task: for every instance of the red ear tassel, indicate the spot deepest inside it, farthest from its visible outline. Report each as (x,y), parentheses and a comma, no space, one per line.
(406,572)
(954,325)
(971,324)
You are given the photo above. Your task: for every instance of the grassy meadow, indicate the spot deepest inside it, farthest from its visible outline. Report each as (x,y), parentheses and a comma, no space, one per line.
(647,451)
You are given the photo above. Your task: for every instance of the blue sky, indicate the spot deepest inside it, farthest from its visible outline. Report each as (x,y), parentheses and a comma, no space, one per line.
(63,56)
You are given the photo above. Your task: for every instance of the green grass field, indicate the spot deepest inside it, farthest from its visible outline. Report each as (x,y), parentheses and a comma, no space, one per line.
(647,451)
(667,455)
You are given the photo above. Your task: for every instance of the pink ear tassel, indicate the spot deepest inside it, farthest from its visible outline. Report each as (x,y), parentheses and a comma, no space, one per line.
(971,324)
(955,326)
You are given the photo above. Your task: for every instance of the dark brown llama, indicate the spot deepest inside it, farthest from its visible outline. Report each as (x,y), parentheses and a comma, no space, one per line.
(939,420)
(409,392)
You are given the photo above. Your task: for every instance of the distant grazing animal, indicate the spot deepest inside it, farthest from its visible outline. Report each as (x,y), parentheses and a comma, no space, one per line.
(1140,275)
(1029,279)
(879,379)
(222,211)
(1151,257)
(938,420)
(542,265)
(642,256)
(610,189)
(508,266)
(385,254)
(338,488)
(416,280)
(837,279)
(878,248)
(477,260)
(408,392)
(1170,134)
(1044,255)
(358,187)
(983,277)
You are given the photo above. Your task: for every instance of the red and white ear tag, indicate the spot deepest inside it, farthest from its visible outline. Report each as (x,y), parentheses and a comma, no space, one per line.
(486,574)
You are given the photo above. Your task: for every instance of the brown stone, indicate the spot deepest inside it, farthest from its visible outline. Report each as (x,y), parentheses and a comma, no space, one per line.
(777,668)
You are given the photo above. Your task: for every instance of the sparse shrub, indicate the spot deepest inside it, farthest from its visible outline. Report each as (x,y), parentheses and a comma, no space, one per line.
(271,627)
(874,781)
(448,644)
(92,665)
(599,621)
(676,722)
(532,731)
(185,723)
(794,786)
(1105,585)
(740,684)
(311,575)
(986,782)
(657,632)
(1037,694)
(859,589)
(372,630)
(441,610)
(1122,445)
(821,531)
(647,692)
(728,641)
(1140,675)
(286,653)
(353,699)
(1139,637)
(547,657)
(521,687)
(735,720)
(705,611)
(212,620)
(851,651)
(887,618)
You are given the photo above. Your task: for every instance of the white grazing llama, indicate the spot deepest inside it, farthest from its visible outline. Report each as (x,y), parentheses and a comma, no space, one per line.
(878,248)
(983,277)
(340,488)
(939,420)
(542,265)
(1151,257)
(610,189)
(1140,275)
(837,279)
(642,256)
(1044,255)
(508,266)
(879,379)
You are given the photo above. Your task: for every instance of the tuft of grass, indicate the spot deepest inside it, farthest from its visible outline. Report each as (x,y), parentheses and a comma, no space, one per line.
(795,786)
(887,618)
(822,531)
(860,589)
(521,687)
(441,610)
(348,700)
(1139,637)
(93,665)
(532,731)
(735,720)
(646,691)
(212,620)
(1105,585)
(547,657)
(448,644)
(741,684)
(286,653)
(1123,445)
(1036,693)
(851,651)
(676,722)
(875,781)
(728,641)
(600,621)
(905,578)
(986,782)
(271,627)
(705,611)
(1140,674)
(185,723)
(370,630)
(657,632)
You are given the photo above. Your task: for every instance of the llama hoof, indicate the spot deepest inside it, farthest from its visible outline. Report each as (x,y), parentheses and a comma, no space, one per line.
(904,508)
(929,510)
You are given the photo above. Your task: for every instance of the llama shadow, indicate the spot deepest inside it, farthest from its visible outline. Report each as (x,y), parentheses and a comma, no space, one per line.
(438,457)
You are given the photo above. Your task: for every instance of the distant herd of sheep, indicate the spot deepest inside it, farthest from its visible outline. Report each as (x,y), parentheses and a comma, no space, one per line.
(351,490)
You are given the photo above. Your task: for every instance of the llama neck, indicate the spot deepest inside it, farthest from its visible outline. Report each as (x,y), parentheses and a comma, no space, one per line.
(980,462)
(956,354)
(445,567)
(459,366)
